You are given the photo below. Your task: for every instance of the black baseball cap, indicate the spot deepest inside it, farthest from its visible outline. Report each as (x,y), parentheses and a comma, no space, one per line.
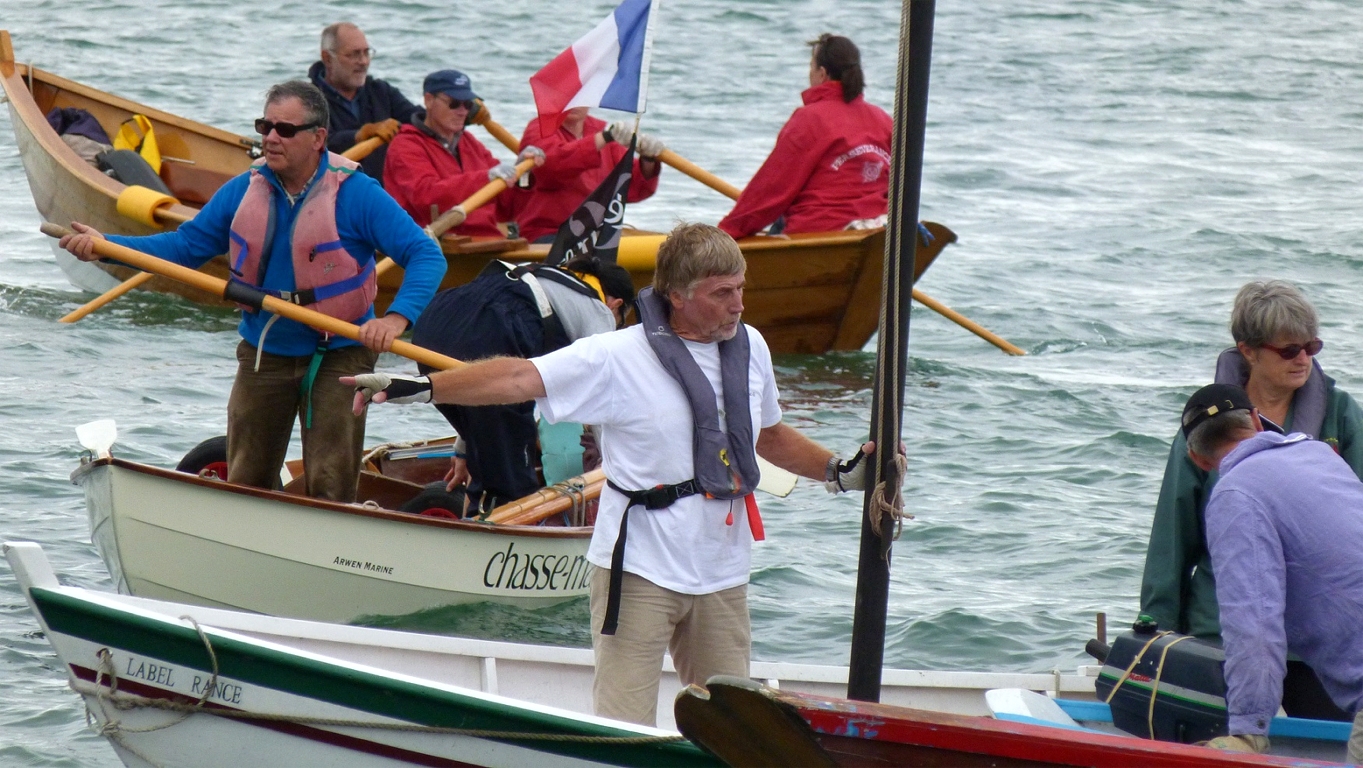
(1215,399)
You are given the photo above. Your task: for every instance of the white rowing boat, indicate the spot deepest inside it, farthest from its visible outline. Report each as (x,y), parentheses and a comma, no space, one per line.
(177,536)
(291,692)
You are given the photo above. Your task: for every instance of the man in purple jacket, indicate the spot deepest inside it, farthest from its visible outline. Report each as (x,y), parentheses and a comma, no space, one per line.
(1285,533)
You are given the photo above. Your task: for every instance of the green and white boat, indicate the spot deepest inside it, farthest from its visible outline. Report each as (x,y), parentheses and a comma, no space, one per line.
(171,684)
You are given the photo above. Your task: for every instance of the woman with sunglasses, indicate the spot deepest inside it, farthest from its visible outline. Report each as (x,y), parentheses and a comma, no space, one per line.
(1275,331)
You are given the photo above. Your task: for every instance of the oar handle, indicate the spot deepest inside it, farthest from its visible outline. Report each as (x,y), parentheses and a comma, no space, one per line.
(456,215)
(218,286)
(363,149)
(700,174)
(965,322)
(483,117)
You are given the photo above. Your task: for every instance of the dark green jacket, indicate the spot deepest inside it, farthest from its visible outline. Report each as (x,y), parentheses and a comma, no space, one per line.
(1178,589)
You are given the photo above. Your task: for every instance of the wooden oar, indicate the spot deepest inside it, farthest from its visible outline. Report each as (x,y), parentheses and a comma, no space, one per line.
(363,149)
(548,501)
(484,118)
(357,153)
(456,215)
(700,174)
(729,190)
(218,287)
(965,322)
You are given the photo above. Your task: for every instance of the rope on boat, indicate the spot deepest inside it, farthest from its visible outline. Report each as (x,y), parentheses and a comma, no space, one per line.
(893,506)
(577,494)
(114,729)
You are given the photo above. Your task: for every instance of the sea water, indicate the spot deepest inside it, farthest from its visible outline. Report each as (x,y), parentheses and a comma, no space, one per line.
(1115,171)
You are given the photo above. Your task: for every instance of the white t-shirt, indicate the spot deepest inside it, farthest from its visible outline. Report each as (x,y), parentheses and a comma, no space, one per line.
(615,380)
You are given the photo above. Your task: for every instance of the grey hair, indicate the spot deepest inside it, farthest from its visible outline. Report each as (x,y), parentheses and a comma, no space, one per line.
(1209,436)
(691,253)
(1272,309)
(331,32)
(314,103)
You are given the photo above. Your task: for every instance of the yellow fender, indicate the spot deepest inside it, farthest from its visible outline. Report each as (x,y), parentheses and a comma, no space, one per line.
(639,253)
(141,203)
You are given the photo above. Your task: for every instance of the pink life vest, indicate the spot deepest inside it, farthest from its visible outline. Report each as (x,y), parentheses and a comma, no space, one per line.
(326,277)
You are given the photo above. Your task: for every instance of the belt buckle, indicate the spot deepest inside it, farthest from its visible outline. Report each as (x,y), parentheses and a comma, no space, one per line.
(657,498)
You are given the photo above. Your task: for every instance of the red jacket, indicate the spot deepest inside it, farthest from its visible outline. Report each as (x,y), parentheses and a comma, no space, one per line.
(830,167)
(420,172)
(572,169)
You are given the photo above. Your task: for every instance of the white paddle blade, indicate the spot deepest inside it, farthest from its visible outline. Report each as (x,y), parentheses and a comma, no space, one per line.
(774,480)
(98,436)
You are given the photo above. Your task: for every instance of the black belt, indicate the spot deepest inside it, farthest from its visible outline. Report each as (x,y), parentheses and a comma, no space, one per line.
(661,497)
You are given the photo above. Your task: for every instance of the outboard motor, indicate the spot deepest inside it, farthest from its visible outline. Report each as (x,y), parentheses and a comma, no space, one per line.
(1185,675)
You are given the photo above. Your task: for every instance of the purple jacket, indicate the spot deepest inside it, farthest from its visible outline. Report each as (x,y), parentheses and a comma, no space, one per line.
(1285,531)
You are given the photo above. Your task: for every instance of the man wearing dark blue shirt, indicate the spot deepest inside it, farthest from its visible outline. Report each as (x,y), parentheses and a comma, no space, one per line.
(361,106)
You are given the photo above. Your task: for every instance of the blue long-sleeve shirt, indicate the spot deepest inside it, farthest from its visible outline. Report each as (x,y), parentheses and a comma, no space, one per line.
(1285,531)
(367,219)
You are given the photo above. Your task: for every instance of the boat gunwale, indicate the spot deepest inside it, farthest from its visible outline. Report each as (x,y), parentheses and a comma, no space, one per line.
(554,532)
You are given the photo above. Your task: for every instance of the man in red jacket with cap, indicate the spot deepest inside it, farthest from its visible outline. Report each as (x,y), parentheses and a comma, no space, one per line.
(435,163)
(830,168)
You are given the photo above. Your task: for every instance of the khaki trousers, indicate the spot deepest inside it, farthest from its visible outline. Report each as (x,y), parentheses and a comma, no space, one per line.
(707,635)
(264,404)
(1356,740)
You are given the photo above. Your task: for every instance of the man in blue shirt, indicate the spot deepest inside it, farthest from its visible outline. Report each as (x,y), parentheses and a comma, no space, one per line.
(361,106)
(1285,533)
(303,225)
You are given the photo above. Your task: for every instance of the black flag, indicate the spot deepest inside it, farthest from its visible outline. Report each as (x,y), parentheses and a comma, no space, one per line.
(594,228)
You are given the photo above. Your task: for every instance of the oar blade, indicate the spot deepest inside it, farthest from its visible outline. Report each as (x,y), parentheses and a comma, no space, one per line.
(774,480)
(98,436)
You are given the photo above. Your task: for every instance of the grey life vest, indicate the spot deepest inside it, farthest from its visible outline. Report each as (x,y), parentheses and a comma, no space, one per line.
(724,458)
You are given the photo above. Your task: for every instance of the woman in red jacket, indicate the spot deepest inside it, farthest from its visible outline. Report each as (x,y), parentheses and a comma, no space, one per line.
(830,168)
(578,157)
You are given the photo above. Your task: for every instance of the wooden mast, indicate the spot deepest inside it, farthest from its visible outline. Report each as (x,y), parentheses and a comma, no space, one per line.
(887,405)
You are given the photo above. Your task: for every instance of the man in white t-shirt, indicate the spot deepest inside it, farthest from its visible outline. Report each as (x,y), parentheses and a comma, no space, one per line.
(679,496)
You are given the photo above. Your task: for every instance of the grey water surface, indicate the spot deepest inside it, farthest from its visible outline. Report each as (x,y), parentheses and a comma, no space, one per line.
(1115,171)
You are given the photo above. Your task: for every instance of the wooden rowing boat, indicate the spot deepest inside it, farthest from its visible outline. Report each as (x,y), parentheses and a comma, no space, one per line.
(198,539)
(806,293)
(279,679)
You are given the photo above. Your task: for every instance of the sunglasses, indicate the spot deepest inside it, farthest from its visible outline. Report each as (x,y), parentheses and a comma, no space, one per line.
(285,130)
(1290,352)
(457,103)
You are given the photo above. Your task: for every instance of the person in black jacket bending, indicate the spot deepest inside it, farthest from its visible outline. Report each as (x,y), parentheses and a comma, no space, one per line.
(361,106)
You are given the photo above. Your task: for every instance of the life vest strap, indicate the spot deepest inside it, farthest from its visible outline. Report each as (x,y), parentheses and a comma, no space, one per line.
(309,296)
(660,497)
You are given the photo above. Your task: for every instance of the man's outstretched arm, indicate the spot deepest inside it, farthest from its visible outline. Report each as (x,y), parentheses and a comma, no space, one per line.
(495,381)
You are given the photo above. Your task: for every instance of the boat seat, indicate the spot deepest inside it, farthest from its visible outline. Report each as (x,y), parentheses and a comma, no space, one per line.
(191,184)
(128,167)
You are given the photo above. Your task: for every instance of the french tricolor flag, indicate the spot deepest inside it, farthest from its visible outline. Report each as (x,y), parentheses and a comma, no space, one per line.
(607,67)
